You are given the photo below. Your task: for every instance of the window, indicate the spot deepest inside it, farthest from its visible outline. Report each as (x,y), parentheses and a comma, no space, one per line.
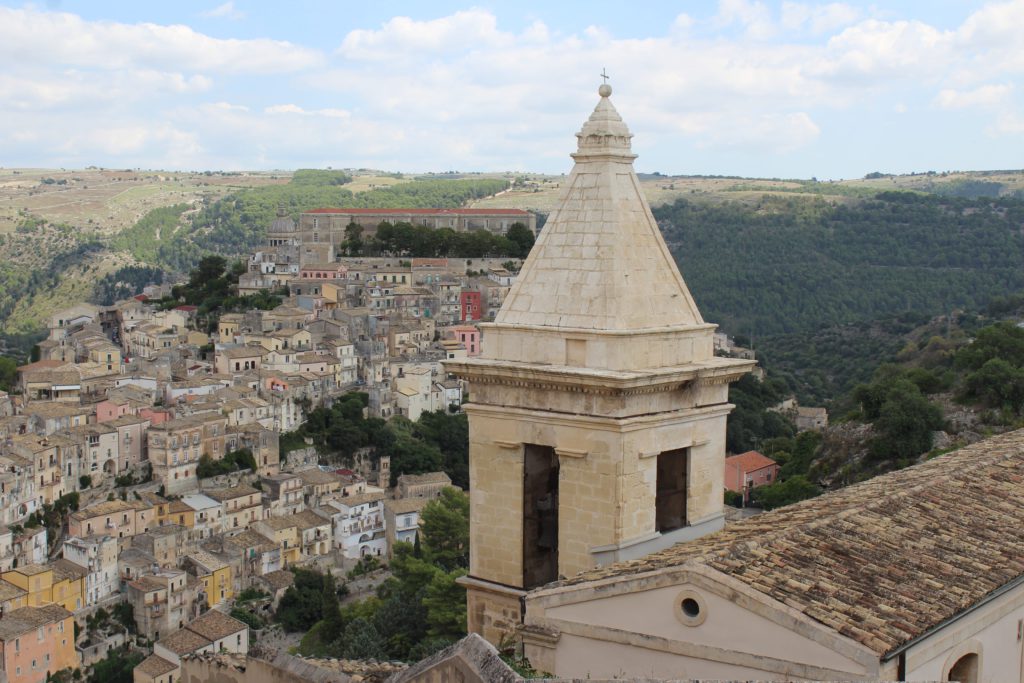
(965,669)
(540,515)
(670,495)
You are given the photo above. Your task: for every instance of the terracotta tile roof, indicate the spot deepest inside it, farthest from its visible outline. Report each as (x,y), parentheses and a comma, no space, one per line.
(67,570)
(155,665)
(25,619)
(406,505)
(231,493)
(883,561)
(749,461)
(307,519)
(214,625)
(184,641)
(8,591)
(360,499)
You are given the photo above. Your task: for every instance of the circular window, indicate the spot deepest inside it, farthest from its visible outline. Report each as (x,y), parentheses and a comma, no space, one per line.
(690,608)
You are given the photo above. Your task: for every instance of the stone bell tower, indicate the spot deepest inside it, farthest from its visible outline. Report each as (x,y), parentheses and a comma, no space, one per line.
(597,410)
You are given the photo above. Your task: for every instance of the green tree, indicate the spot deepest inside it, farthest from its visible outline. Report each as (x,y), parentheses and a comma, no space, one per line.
(445,529)
(301,605)
(905,423)
(781,493)
(998,383)
(8,372)
(362,641)
(332,621)
(445,601)
(522,238)
(116,667)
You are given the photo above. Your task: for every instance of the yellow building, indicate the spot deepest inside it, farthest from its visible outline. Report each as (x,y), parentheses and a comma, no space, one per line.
(179,513)
(68,585)
(214,573)
(61,583)
(37,582)
(284,531)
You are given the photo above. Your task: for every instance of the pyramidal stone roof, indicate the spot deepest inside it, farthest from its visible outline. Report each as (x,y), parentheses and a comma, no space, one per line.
(600,263)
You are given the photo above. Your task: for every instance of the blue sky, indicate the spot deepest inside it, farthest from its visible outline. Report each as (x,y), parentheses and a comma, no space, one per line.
(733,87)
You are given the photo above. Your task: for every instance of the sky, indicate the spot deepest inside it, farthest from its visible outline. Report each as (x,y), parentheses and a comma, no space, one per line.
(734,87)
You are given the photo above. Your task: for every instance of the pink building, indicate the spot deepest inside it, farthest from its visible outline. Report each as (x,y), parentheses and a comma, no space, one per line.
(749,470)
(156,415)
(108,410)
(468,336)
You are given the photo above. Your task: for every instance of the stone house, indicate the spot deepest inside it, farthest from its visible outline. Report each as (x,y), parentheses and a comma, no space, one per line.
(119,518)
(242,506)
(284,492)
(175,447)
(163,600)
(427,485)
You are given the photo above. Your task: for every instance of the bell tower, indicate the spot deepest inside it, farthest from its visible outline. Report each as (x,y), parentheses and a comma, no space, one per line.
(597,410)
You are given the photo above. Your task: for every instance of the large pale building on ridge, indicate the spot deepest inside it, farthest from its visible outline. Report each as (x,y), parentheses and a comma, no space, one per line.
(598,407)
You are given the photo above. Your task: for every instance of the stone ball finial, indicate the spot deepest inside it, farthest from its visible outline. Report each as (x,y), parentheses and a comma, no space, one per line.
(605,90)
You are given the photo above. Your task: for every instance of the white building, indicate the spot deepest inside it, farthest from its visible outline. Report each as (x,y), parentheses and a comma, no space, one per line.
(402,520)
(97,555)
(358,524)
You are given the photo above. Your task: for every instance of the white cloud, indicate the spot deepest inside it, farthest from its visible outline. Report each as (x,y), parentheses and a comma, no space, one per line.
(753,15)
(463,91)
(29,36)
(296,109)
(1008,123)
(226,11)
(984,96)
(403,37)
(818,18)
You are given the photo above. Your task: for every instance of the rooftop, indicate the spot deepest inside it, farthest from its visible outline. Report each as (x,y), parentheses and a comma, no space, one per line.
(155,665)
(405,505)
(231,493)
(184,641)
(749,461)
(601,263)
(428,478)
(880,562)
(214,625)
(26,619)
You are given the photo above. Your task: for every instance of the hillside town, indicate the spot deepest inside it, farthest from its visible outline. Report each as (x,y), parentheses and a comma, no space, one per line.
(106,490)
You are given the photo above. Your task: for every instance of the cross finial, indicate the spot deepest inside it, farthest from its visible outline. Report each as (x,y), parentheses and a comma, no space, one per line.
(604,75)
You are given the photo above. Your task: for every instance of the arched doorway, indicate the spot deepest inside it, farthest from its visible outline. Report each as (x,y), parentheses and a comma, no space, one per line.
(110,467)
(965,670)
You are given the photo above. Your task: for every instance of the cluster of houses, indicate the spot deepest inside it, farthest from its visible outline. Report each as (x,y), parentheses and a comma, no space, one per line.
(126,404)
